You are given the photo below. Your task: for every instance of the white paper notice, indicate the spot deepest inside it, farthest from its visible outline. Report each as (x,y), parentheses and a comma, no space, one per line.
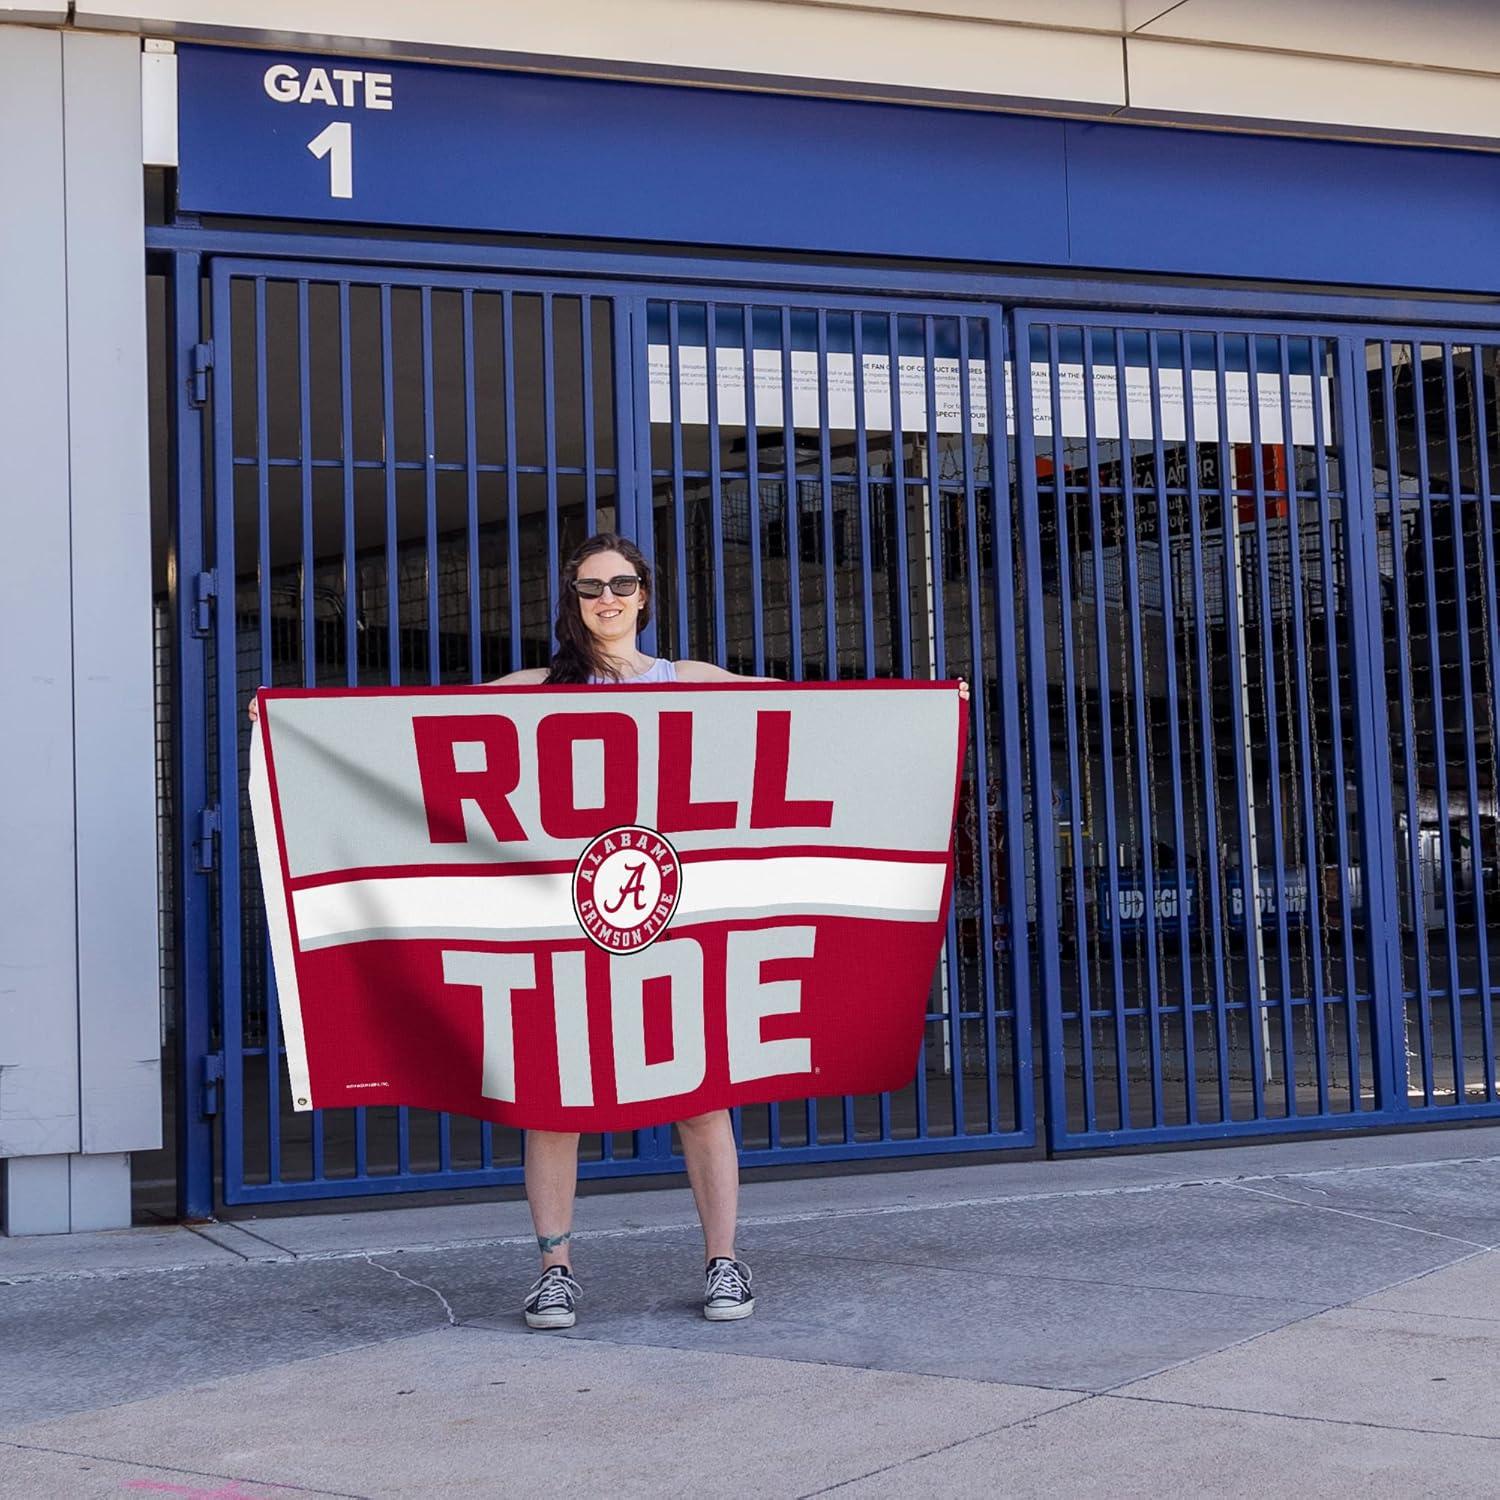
(1070,388)
(692,383)
(692,386)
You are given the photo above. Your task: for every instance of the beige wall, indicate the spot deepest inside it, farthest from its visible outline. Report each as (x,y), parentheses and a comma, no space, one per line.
(1392,69)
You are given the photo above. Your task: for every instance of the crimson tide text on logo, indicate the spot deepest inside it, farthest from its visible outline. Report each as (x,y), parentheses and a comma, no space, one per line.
(626,885)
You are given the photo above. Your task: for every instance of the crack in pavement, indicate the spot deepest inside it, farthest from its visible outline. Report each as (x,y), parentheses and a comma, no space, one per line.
(1293,1416)
(1349,1213)
(973,1437)
(412,1281)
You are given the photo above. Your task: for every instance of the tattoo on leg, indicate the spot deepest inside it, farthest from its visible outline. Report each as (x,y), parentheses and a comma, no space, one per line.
(547,1243)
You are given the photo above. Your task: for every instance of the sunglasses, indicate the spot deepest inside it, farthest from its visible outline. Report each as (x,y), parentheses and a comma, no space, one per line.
(621,587)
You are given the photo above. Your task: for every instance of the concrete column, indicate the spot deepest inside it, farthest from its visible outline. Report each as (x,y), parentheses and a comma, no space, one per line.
(119,1036)
(80,1063)
(39,1112)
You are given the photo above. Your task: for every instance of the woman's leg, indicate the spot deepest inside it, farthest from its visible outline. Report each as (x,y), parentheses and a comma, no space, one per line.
(713,1169)
(551,1181)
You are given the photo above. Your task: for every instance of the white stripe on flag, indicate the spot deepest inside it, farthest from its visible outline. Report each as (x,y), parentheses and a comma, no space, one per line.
(532,906)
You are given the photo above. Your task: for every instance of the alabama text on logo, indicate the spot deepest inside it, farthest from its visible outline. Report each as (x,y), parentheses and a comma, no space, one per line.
(626,885)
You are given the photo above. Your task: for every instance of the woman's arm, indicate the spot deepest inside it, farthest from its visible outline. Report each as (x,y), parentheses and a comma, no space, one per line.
(706,671)
(527,676)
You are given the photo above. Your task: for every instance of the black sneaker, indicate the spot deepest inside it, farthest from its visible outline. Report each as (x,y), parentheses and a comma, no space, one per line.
(727,1294)
(549,1303)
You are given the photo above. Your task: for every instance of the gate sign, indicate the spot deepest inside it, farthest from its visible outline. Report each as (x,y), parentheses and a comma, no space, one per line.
(604,908)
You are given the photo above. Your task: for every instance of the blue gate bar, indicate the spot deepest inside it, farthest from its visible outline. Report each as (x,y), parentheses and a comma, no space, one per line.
(346,455)
(903,663)
(757,597)
(867,570)
(1174,737)
(1408,737)
(429,491)
(272,1045)
(680,645)
(590,475)
(1222,992)
(388,464)
(1457,500)
(1440,734)
(825,514)
(1312,849)
(1010,718)
(309,624)
(720,577)
(1490,601)
(1072,691)
(1238,664)
(979,718)
(862,498)
(192,677)
(512,485)
(752,505)
(1133,612)
(938,571)
(1250,884)
(790,501)
(1336,715)
(549,450)
(719,581)
(471,492)
(901,643)
(1106,731)
(224,749)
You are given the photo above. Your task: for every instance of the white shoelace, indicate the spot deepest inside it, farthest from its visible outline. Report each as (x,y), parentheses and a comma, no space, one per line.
(552,1289)
(725,1280)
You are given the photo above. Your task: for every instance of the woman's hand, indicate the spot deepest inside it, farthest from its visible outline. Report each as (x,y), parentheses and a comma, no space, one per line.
(963,690)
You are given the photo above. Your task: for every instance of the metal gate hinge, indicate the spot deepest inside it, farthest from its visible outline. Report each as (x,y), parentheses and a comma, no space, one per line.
(213,1076)
(205,591)
(204,845)
(203,362)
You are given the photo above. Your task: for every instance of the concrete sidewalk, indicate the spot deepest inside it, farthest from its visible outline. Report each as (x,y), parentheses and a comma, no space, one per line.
(1323,1316)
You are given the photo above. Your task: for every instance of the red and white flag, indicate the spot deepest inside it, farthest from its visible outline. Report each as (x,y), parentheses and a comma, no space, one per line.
(604,908)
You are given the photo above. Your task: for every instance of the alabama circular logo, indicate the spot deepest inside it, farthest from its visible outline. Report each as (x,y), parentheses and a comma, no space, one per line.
(625,888)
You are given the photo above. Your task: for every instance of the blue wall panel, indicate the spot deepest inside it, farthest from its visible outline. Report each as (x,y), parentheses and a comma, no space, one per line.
(1274,208)
(463,148)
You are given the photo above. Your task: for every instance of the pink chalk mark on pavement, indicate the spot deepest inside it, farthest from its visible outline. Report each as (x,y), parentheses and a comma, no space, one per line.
(190,1492)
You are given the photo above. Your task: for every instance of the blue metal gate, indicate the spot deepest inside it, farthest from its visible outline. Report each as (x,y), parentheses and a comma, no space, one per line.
(1261,641)
(1228,592)
(401,457)
(1433,435)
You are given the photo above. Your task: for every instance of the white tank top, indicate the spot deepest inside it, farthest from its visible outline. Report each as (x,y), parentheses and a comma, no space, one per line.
(661,670)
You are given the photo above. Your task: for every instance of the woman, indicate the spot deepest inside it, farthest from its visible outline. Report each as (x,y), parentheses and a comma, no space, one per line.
(604,602)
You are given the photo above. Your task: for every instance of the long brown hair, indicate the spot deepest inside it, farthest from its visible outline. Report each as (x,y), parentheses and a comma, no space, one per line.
(578,657)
